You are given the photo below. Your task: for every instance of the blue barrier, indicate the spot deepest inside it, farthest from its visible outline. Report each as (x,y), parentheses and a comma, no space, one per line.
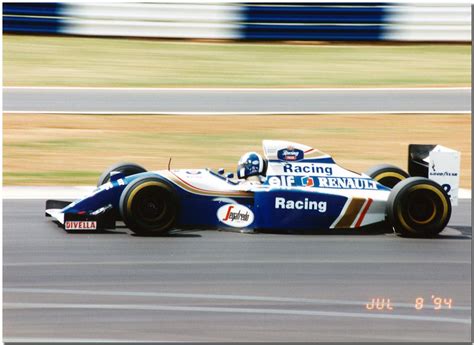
(32,18)
(344,21)
(334,22)
(49,9)
(313,32)
(31,25)
(352,4)
(314,14)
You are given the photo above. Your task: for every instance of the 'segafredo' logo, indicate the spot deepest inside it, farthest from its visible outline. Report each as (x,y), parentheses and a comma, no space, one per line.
(235,215)
(80,225)
(290,154)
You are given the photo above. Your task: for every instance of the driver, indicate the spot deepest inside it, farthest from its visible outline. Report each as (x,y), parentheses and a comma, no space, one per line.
(252,168)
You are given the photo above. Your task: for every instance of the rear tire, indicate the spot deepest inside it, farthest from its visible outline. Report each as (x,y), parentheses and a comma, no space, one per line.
(418,207)
(387,175)
(126,169)
(149,206)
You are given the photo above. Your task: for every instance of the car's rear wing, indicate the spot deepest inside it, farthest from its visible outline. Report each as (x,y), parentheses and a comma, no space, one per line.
(438,163)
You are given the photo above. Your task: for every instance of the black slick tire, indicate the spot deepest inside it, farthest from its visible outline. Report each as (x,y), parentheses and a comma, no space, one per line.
(124,167)
(418,207)
(387,175)
(149,206)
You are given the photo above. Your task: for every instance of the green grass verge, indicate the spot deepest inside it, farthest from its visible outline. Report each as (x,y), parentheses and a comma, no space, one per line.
(75,61)
(59,177)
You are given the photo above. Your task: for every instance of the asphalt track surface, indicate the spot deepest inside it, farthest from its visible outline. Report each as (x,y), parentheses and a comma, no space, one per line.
(227,286)
(250,101)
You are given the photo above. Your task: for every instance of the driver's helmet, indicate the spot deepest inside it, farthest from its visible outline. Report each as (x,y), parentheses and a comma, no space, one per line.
(251,164)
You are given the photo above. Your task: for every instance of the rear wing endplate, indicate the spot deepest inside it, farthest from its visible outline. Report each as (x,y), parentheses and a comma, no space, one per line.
(438,163)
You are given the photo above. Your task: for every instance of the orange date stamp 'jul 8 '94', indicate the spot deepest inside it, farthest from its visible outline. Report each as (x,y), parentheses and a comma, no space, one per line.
(385,304)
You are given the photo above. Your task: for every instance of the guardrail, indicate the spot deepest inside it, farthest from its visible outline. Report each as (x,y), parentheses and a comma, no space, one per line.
(246,21)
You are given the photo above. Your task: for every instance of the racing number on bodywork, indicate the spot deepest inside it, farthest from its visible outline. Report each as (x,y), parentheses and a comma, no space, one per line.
(447,189)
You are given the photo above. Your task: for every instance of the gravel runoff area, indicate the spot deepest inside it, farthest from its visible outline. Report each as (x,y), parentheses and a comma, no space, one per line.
(75,149)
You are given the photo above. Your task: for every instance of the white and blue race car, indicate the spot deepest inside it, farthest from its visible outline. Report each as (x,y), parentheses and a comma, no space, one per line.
(301,189)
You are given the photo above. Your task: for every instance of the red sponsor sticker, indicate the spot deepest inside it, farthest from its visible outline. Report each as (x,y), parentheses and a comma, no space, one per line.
(80,225)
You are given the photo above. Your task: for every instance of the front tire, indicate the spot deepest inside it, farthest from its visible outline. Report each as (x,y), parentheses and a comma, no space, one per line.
(126,169)
(149,206)
(418,207)
(387,175)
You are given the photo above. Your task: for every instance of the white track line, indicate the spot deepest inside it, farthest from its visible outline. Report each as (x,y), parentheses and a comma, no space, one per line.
(75,192)
(49,192)
(224,89)
(209,296)
(234,113)
(34,340)
(236,262)
(155,307)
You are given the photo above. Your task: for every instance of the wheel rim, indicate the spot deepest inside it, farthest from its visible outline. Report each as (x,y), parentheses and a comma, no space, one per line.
(421,209)
(151,209)
(150,206)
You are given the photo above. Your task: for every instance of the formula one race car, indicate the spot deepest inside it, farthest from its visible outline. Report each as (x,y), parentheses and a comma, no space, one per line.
(301,189)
